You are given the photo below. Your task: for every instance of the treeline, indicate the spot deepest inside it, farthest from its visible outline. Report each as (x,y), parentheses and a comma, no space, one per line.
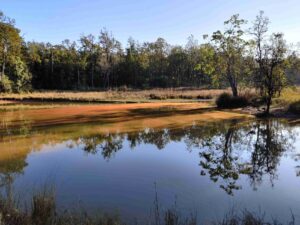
(226,58)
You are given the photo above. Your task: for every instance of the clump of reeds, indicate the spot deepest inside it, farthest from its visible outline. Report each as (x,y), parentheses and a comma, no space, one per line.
(43,211)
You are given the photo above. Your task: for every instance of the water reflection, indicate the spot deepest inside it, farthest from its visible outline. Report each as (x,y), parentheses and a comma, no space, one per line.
(227,151)
(253,149)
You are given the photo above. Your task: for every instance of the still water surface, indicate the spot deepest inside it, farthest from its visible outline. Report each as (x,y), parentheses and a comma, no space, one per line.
(205,167)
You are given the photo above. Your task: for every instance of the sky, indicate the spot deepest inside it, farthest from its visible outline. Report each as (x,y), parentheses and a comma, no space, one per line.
(144,20)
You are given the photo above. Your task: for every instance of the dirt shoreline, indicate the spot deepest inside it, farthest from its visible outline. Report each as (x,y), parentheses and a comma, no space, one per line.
(276,112)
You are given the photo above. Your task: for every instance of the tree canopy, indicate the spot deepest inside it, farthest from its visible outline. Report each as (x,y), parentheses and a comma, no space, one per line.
(235,57)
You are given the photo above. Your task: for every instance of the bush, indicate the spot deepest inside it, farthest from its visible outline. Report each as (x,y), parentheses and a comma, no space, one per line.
(123,88)
(156,97)
(5,84)
(228,101)
(294,107)
(22,77)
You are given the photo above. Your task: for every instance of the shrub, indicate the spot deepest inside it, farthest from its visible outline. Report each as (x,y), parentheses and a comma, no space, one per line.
(123,88)
(294,107)
(156,97)
(22,77)
(226,100)
(5,84)
(204,97)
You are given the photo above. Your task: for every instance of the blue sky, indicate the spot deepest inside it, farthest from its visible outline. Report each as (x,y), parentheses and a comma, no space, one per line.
(144,20)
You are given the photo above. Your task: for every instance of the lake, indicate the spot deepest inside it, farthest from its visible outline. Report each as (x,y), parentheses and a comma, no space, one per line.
(208,167)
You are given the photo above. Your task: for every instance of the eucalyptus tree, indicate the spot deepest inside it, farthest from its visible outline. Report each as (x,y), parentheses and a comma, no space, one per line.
(270,76)
(10,41)
(13,68)
(177,66)
(293,67)
(193,56)
(157,53)
(132,68)
(230,47)
(111,52)
(91,51)
(206,64)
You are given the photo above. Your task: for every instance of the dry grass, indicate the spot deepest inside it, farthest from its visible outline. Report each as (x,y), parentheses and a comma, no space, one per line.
(288,96)
(118,96)
(289,100)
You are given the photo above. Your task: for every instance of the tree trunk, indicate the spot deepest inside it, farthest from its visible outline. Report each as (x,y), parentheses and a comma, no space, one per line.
(108,75)
(269,102)
(234,90)
(78,75)
(3,67)
(52,63)
(2,71)
(93,66)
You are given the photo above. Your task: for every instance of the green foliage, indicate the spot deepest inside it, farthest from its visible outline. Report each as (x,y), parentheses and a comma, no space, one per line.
(22,77)
(230,48)
(5,84)
(97,62)
(14,74)
(226,100)
(270,72)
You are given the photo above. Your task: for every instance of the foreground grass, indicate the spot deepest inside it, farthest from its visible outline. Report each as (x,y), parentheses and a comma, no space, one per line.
(43,211)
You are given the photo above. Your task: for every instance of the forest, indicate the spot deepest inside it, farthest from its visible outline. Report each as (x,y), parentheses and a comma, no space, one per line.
(241,54)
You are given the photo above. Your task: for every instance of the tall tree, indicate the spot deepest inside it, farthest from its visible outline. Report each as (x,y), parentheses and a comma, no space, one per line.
(270,77)
(11,56)
(177,66)
(91,50)
(230,47)
(111,52)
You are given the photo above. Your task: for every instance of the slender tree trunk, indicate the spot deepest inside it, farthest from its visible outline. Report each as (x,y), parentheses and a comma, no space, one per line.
(52,62)
(78,75)
(93,66)
(234,90)
(231,78)
(108,75)
(3,67)
(3,70)
(269,102)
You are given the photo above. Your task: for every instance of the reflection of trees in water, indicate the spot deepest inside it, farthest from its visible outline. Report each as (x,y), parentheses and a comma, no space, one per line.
(272,139)
(227,149)
(219,160)
(296,157)
(8,173)
(108,144)
(254,149)
(7,126)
